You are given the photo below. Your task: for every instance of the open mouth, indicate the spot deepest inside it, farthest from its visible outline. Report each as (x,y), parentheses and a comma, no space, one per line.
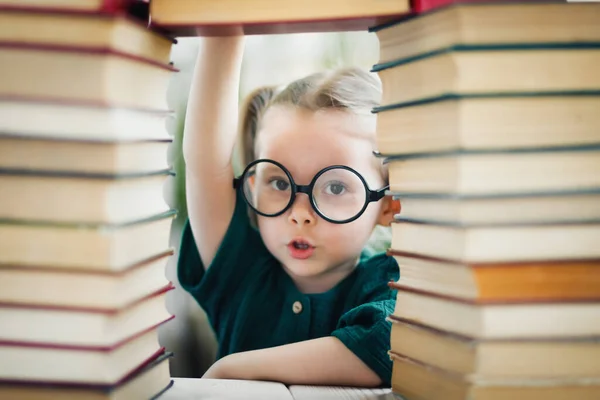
(300,249)
(300,245)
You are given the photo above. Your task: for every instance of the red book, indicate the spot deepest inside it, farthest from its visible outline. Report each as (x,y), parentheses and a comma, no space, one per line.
(95,6)
(419,6)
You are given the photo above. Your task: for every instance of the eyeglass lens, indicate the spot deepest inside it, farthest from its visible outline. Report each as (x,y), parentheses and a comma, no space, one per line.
(338,194)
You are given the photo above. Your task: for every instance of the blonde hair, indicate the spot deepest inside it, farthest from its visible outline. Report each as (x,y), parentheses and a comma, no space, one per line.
(350,89)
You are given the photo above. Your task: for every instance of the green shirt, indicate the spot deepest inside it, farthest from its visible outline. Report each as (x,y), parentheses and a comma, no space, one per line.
(253,304)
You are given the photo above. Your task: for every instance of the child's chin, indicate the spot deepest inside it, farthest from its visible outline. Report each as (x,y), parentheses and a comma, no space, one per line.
(304,268)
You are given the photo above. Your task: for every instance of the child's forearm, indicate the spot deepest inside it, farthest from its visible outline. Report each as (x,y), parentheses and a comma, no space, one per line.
(324,361)
(209,138)
(212,109)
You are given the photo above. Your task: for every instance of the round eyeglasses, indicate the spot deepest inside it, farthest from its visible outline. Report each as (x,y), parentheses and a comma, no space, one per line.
(338,193)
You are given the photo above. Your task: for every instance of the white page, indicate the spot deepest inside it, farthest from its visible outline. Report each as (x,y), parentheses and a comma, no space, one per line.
(305,392)
(223,389)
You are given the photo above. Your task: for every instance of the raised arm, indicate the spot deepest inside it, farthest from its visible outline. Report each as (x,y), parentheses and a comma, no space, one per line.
(209,138)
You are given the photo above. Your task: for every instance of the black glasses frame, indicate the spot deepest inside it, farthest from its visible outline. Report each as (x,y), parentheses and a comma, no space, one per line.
(371,195)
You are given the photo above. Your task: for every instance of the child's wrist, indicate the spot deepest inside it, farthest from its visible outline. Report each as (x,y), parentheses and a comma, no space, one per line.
(229,367)
(223,44)
(223,51)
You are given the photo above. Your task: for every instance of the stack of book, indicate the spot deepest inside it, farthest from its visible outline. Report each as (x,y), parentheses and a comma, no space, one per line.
(490,127)
(84,229)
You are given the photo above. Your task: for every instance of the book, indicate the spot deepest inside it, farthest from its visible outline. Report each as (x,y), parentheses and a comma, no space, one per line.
(108,6)
(419,381)
(75,120)
(117,32)
(110,247)
(498,244)
(525,171)
(308,392)
(516,281)
(149,381)
(495,358)
(85,75)
(455,123)
(90,290)
(557,208)
(487,23)
(26,363)
(236,389)
(225,389)
(83,157)
(79,327)
(422,6)
(79,198)
(224,17)
(518,69)
(498,319)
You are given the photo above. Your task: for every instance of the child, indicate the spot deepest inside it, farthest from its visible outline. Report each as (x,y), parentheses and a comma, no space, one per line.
(275,258)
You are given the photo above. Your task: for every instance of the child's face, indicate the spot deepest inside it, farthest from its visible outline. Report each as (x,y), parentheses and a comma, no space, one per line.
(306,142)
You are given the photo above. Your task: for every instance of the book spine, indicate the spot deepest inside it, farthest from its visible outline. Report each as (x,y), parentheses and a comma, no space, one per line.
(420,6)
(106,7)
(114,6)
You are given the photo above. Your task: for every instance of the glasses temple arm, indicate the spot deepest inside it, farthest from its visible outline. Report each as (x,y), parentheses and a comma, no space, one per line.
(376,195)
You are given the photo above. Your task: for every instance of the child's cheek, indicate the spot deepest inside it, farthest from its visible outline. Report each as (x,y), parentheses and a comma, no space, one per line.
(272,231)
(347,239)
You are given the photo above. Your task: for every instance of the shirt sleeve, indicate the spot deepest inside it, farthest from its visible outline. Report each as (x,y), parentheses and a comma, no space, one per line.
(365,330)
(219,288)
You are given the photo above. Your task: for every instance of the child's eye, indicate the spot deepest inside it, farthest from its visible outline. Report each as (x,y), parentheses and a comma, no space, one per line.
(279,184)
(335,188)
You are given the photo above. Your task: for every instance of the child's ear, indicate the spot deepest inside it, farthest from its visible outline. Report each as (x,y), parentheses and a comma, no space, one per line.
(390,207)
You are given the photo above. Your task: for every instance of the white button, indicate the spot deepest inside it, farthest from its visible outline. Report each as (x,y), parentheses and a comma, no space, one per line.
(297,307)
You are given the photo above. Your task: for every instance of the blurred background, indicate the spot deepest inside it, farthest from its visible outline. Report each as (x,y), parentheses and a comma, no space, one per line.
(268,60)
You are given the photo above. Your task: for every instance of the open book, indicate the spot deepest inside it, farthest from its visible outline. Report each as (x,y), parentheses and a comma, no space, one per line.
(185,388)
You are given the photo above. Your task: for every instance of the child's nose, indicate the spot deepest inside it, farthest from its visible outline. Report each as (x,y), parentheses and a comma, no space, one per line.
(302,212)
